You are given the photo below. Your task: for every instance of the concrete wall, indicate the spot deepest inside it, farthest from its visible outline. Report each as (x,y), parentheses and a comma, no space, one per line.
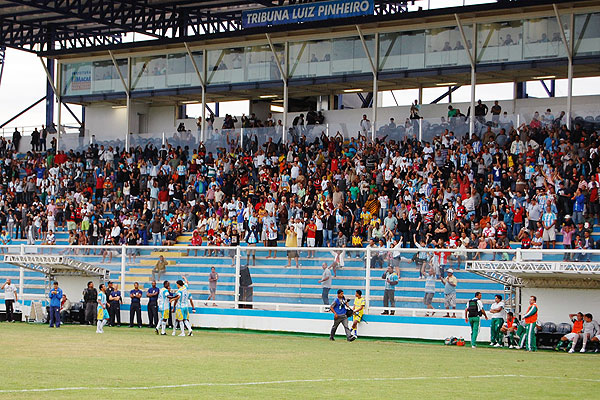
(555,305)
(105,121)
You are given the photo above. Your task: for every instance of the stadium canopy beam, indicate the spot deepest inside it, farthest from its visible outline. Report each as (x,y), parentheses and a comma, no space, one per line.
(284,78)
(471,53)
(127,91)
(374,70)
(569,48)
(202,83)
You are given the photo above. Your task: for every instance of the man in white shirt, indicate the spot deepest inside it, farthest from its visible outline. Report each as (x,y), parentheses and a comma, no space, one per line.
(10,297)
(498,314)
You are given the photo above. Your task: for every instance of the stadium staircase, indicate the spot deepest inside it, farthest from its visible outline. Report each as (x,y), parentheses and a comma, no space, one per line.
(272,281)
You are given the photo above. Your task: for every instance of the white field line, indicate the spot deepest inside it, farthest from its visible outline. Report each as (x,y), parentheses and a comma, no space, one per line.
(264,383)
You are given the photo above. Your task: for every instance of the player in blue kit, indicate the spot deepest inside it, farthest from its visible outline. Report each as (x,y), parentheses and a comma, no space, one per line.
(182,301)
(102,313)
(164,307)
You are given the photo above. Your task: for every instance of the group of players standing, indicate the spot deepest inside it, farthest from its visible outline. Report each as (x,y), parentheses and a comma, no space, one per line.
(180,301)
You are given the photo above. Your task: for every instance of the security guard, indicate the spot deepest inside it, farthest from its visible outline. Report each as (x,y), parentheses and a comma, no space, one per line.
(114,301)
(473,314)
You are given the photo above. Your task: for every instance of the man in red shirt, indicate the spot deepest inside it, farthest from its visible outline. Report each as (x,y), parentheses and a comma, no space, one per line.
(311,233)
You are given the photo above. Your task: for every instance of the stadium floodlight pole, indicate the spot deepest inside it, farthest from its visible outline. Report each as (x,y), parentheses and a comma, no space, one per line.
(471,55)
(374,70)
(284,78)
(569,48)
(202,83)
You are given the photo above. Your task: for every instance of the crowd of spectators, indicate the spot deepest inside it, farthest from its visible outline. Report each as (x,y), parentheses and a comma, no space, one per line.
(508,183)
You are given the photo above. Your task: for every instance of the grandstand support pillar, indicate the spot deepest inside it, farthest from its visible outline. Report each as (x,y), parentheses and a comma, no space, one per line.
(373,61)
(21,274)
(285,112)
(367,280)
(202,79)
(123,267)
(236,286)
(471,53)
(126,88)
(59,116)
(568,43)
(21,285)
(472,113)
(284,77)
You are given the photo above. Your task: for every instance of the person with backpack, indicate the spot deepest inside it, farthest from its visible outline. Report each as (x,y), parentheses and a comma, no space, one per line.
(391,280)
(473,314)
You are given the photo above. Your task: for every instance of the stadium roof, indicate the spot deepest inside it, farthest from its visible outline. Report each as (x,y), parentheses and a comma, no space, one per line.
(58,27)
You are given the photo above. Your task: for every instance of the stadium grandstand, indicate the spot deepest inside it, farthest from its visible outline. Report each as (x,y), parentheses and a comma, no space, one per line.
(319,187)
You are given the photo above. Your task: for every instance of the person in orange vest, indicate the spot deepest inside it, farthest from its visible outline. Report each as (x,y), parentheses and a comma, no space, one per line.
(567,339)
(511,328)
(528,341)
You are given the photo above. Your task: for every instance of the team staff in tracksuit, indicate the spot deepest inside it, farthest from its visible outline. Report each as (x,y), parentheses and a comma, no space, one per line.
(528,341)
(473,314)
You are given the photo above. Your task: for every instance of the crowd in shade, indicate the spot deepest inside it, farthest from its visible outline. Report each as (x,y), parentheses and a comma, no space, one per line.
(523,184)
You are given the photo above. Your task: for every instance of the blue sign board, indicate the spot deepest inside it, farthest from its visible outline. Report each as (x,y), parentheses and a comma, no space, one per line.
(307,12)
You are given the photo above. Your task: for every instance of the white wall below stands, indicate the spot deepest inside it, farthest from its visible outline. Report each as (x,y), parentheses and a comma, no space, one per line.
(73,286)
(108,122)
(320,323)
(555,305)
(347,120)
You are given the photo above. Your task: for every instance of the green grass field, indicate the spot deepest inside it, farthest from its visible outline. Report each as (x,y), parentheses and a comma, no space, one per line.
(135,363)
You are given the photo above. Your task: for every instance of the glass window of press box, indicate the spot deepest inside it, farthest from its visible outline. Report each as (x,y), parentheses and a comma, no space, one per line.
(498,42)
(586,41)
(445,46)
(97,77)
(402,51)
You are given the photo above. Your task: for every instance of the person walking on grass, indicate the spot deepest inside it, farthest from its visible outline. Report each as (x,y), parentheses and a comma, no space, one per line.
(339,307)
(473,314)
(358,310)
(102,311)
(498,315)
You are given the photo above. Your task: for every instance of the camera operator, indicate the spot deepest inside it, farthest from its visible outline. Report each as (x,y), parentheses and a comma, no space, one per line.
(340,308)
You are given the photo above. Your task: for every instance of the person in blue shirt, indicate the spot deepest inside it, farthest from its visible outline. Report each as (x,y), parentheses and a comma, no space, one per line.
(135,308)
(339,308)
(152,295)
(115,301)
(55,298)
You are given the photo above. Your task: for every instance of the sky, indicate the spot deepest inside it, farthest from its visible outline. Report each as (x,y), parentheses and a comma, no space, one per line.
(24,82)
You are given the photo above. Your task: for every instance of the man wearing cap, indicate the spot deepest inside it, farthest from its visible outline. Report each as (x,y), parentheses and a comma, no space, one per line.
(473,314)
(450,292)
